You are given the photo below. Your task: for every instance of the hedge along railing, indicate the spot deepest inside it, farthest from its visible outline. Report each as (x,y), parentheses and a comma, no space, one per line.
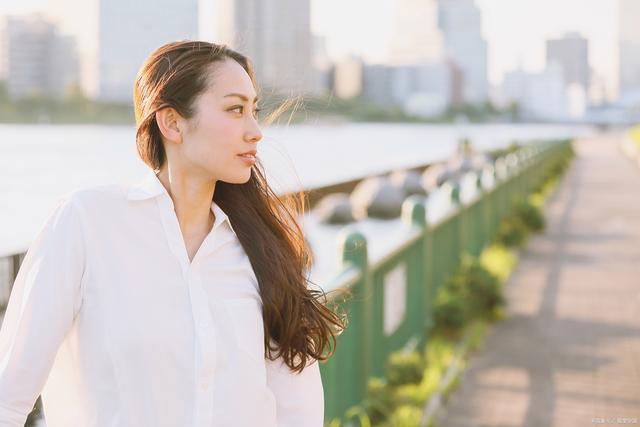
(392,298)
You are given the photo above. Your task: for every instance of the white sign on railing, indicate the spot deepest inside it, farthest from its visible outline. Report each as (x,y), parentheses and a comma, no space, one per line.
(395,298)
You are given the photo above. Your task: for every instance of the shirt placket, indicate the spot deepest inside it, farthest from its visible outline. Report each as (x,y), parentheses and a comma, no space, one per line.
(206,356)
(206,349)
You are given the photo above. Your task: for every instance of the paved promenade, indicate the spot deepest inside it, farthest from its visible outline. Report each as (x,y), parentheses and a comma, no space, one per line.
(569,352)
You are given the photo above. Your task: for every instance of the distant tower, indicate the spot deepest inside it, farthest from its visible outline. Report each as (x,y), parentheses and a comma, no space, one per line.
(130,30)
(35,59)
(417,37)
(347,77)
(115,36)
(460,22)
(629,46)
(572,54)
(276,35)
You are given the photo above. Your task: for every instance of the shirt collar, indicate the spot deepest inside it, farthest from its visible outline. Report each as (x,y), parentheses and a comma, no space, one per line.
(150,187)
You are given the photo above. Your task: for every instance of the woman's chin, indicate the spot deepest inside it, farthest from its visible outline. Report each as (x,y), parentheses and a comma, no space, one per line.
(240,179)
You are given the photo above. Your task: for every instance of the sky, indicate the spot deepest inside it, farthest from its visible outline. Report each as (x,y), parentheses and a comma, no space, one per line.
(516,30)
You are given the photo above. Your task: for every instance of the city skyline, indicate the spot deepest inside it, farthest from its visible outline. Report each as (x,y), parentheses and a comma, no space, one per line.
(516,31)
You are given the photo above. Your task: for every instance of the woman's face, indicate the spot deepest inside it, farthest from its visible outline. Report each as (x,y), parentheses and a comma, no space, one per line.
(223,126)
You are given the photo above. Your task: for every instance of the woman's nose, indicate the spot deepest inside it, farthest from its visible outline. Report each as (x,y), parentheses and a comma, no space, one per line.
(254,133)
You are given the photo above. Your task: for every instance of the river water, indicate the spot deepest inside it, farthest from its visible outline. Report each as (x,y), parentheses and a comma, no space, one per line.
(40,163)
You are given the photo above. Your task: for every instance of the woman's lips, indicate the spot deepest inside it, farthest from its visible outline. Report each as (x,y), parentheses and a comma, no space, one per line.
(248,158)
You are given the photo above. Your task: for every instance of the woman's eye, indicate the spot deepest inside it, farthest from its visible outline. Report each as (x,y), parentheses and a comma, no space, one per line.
(241,108)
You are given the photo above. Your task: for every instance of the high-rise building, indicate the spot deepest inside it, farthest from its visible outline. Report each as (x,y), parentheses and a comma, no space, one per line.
(572,54)
(377,83)
(460,22)
(115,36)
(36,60)
(276,35)
(540,96)
(424,89)
(629,46)
(417,37)
(322,66)
(347,77)
(421,78)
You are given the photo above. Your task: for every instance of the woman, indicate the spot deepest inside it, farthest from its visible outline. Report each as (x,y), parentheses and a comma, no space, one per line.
(180,300)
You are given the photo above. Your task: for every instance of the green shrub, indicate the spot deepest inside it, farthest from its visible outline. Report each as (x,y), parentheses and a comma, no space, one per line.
(355,416)
(410,394)
(449,311)
(530,215)
(404,368)
(378,403)
(406,416)
(472,291)
(512,232)
(499,261)
(485,290)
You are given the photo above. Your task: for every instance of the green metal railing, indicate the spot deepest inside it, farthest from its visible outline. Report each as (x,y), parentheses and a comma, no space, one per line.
(392,298)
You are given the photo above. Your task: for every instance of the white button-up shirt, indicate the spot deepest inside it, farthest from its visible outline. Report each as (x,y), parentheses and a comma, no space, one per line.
(114,326)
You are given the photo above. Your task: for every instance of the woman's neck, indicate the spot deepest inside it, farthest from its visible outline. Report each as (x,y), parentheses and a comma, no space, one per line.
(192,198)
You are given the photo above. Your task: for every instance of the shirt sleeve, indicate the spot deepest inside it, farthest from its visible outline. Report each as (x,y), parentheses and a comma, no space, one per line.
(44,301)
(299,396)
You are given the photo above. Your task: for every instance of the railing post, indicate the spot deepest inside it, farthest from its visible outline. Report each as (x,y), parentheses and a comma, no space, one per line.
(414,213)
(455,192)
(456,224)
(480,224)
(500,175)
(460,228)
(353,253)
(512,181)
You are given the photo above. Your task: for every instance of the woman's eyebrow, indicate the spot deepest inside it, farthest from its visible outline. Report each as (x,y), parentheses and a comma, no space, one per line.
(241,96)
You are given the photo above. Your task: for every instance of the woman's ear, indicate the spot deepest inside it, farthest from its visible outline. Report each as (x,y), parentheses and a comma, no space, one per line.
(167,120)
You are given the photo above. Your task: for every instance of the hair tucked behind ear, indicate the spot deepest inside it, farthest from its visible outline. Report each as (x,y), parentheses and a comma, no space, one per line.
(297,322)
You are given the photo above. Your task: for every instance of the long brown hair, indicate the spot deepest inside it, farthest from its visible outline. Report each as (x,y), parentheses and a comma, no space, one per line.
(296,318)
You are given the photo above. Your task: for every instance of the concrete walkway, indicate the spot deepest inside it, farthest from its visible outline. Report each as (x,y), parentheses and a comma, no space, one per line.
(569,352)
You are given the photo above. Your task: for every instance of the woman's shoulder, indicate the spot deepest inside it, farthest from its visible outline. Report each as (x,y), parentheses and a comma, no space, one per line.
(101,196)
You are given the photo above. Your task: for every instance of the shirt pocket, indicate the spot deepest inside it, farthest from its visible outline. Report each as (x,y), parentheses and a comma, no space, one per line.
(248,327)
